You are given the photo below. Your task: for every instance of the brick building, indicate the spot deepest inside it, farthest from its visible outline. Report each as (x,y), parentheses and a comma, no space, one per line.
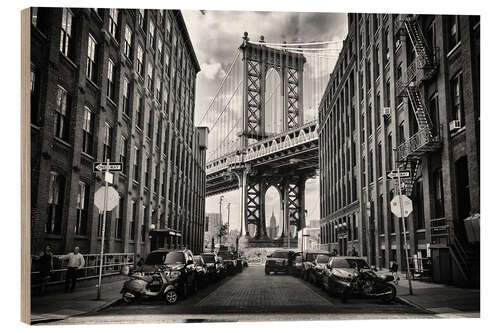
(404,92)
(115,84)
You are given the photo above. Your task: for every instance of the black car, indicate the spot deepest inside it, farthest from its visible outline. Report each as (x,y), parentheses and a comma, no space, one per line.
(319,264)
(180,265)
(154,260)
(215,268)
(230,262)
(279,261)
(201,271)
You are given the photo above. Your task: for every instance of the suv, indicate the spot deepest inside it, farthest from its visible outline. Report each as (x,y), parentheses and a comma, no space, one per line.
(215,269)
(180,266)
(201,271)
(278,261)
(154,260)
(230,263)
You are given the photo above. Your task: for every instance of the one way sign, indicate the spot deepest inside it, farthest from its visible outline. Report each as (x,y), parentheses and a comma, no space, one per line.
(113,167)
(402,173)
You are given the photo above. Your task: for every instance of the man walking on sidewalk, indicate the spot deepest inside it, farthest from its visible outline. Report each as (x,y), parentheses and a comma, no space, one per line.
(75,263)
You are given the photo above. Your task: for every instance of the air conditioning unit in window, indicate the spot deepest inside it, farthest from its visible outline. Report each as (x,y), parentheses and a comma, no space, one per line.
(386,112)
(455,125)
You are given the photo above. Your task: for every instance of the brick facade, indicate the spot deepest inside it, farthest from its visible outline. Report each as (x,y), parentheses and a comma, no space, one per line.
(158,120)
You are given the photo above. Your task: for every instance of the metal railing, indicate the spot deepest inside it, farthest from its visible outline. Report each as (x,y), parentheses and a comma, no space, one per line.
(416,142)
(112,264)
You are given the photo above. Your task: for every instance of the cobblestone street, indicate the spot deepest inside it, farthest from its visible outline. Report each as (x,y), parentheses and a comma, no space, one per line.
(251,295)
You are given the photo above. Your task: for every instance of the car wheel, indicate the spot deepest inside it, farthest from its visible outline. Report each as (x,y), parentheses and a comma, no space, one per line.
(128,297)
(171,296)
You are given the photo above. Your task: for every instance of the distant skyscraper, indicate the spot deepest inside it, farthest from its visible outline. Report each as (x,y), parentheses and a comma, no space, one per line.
(273,229)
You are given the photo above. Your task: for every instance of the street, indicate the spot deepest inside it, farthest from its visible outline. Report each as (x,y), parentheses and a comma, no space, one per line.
(251,296)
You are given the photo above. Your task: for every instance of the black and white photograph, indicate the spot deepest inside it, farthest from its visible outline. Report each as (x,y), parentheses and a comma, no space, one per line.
(202,165)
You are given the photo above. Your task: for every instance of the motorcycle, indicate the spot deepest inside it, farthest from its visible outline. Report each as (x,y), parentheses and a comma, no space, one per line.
(366,283)
(145,286)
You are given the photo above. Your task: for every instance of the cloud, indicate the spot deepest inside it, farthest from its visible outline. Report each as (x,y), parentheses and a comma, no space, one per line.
(212,71)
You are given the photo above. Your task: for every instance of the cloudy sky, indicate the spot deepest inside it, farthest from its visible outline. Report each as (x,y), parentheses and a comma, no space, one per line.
(216,36)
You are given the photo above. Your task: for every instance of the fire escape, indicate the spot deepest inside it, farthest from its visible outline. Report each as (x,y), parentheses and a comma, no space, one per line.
(422,69)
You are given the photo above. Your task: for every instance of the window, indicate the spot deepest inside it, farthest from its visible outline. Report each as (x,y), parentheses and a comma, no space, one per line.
(379,160)
(126,97)
(437,183)
(66,30)
(133,219)
(123,153)
(55,203)
(140,107)
(453,31)
(151,33)
(92,59)
(376,64)
(355,227)
(389,152)
(419,218)
(377,110)
(387,49)
(387,94)
(156,178)
(119,219)
(363,172)
(108,136)
(456,95)
(149,77)
(434,113)
(111,80)
(146,171)
(127,50)
(61,117)
(88,131)
(380,213)
(369,120)
(401,132)
(368,70)
(160,51)
(136,164)
(150,126)
(82,199)
(141,18)
(113,22)
(371,166)
(140,60)
(158,89)
(168,28)
(144,222)
(392,218)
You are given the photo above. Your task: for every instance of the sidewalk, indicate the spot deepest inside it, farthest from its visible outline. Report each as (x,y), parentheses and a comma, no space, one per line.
(57,306)
(444,300)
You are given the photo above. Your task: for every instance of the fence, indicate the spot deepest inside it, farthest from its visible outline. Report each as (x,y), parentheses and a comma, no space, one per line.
(112,264)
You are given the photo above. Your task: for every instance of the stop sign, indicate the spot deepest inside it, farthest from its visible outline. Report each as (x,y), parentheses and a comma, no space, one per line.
(407,205)
(113,198)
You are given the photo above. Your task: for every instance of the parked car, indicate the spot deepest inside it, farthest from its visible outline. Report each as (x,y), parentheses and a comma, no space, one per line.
(230,262)
(154,260)
(278,261)
(297,267)
(308,259)
(180,265)
(215,268)
(245,261)
(316,272)
(201,271)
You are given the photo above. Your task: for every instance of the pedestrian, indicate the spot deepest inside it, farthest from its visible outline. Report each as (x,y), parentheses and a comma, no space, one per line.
(139,262)
(45,267)
(75,263)
(354,253)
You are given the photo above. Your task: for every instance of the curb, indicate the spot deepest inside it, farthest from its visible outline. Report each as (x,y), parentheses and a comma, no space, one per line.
(102,307)
(412,304)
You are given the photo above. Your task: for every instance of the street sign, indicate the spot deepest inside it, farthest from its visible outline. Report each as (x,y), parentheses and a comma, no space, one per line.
(113,199)
(407,205)
(113,166)
(402,174)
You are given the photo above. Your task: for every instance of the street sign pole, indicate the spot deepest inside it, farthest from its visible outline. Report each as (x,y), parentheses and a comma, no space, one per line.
(408,277)
(104,230)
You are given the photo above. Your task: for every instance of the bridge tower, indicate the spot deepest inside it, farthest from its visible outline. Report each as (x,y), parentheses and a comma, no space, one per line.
(257,60)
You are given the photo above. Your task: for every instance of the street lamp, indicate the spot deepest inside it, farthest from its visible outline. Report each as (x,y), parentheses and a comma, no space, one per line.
(221,198)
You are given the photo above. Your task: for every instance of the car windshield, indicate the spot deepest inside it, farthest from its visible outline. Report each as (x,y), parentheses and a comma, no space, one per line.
(175,258)
(155,258)
(349,263)
(311,256)
(226,256)
(323,259)
(279,254)
(198,261)
(208,258)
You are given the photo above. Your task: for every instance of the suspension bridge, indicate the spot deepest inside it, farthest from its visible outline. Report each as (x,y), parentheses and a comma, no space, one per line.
(262,125)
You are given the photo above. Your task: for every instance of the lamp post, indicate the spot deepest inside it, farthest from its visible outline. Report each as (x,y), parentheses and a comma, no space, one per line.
(221,198)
